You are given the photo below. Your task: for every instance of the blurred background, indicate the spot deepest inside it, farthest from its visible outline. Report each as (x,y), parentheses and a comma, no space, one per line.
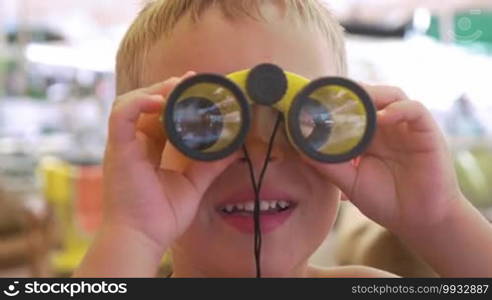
(57,85)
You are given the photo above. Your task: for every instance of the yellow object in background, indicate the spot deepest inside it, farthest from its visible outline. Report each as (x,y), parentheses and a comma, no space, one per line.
(75,195)
(58,189)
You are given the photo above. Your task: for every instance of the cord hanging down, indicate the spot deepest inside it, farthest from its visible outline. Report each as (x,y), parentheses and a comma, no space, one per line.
(257,189)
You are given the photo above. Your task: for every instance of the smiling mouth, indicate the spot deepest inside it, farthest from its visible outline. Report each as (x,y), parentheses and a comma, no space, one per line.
(247,208)
(272,213)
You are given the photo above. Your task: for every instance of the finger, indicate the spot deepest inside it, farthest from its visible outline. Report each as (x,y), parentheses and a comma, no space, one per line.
(123,119)
(152,150)
(128,109)
(384,95)
(150,124)
(165,87)
(202,174)
(413,112)
(380,141)
(342,175)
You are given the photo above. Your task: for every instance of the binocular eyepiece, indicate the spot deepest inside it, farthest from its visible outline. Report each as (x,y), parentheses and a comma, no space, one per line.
(330,119)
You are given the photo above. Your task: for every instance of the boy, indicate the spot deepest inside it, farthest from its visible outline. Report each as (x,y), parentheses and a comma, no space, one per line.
(405,181)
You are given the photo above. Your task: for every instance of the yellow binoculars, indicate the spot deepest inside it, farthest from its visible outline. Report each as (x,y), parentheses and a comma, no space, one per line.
(330,119)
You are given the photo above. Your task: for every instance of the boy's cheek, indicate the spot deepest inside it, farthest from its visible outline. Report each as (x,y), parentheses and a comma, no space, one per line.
(321,217)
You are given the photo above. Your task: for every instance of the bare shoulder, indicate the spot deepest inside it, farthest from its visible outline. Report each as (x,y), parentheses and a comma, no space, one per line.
(350,271)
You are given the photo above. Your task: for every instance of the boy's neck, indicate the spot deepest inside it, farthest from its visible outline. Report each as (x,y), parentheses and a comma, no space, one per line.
(185,270)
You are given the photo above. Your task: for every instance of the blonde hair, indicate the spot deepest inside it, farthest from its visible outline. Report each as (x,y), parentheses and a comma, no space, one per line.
(159,18)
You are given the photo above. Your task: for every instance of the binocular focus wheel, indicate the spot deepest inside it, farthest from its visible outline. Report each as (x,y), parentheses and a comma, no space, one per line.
(266,84)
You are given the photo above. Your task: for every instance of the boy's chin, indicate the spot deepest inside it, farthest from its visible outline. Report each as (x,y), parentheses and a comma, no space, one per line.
(279,261)
(267,270)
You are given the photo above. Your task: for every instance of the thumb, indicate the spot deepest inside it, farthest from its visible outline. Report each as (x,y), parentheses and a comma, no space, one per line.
(202,174)
(342,175)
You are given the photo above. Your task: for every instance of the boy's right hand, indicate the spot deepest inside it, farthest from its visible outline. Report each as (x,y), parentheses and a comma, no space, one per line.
(139,196)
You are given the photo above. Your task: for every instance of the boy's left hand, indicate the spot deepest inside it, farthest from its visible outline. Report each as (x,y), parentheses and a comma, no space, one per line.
(405,180)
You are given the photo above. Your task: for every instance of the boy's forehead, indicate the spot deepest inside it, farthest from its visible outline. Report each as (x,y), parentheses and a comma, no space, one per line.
(220,45)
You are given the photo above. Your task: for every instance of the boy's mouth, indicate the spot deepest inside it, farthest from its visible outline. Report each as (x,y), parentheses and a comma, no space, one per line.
(240,214)
(247,208)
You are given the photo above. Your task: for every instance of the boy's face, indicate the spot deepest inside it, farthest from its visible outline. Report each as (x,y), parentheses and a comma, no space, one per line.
(219,243)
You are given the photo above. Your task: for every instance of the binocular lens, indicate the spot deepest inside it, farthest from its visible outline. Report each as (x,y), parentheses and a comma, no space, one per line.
(316,123)
(199,123)
(205,117)
(342,112)
(332,120)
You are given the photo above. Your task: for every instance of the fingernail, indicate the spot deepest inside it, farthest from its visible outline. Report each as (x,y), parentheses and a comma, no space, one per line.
(188,74)
(382,115)
(158,98)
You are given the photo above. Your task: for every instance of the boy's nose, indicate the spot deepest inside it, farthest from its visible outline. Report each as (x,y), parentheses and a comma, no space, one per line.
(260,136)
(258,151)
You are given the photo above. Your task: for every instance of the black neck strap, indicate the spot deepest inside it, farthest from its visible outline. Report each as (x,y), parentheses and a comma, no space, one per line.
(257,189)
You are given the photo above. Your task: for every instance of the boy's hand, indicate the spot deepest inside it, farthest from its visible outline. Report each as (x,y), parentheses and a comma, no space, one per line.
(406,179)
(139,196)
(406,182)
(145,207)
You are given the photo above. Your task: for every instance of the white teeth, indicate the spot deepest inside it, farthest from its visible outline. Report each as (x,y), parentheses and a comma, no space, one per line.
(250,206)
(264,205)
